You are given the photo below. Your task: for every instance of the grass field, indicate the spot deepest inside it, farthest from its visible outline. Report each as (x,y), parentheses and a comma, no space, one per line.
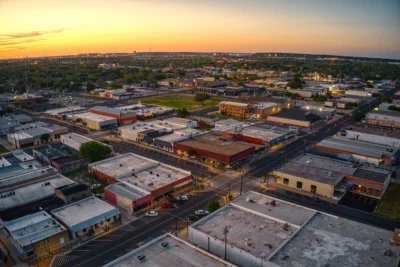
(3,149)
(181,101)
(389,205)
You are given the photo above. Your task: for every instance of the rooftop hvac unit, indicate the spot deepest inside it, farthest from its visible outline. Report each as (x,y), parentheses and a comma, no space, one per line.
(150,184)
(141,257)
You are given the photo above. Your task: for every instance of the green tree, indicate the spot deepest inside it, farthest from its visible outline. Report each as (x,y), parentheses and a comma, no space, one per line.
(212,205)
(295,83)
(94,150)
(45,137)
(191,152)
(387,99)
(182,112)
(358,116)
(394,108)
(116,85)
(320,98)
(201,97)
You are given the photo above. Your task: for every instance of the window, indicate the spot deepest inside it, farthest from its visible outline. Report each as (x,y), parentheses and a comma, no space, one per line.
(108,220)
(101,223)
(299,185)
(62,240)
(84,230)
(285,181)
(313,189)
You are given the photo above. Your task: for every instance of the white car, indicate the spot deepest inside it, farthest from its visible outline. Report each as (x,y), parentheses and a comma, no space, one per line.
(182,198)
(151,214)
(201,212)
(95,186)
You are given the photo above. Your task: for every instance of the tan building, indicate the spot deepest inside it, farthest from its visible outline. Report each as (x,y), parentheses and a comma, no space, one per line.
(295,117)
(37,235)
(240,110)
(264,109)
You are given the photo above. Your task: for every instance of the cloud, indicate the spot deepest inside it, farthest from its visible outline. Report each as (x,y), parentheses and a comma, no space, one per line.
(30,34)
(11,39)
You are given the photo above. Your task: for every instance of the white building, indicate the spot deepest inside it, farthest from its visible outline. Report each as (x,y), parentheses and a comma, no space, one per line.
(357,93)
(372,134)
(74,140)
(95,121)
(263,231)
(87,214)
(184,123)
(168,250)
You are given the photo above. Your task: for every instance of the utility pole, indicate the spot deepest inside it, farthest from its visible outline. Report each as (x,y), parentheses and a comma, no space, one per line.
(241,183)
(176,226)
(225,231)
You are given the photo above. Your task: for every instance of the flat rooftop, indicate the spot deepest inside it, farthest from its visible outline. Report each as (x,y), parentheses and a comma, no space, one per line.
(126,191)
(33,191)
(63,110)
(21,175)
(236,104)
(357,147)
(265,105)
(375,130)
(178,253)
(33,228)
(248,230)
(157,125)
(217,144)
(82,211)
(228,122)
(263,133)
(326,163)
(283,211)
(179,135)
(179,121)
(370,175)
(331,241)
(122,165)
(311,173)
(76,137)
(155,177)
(109,110)
(93,117)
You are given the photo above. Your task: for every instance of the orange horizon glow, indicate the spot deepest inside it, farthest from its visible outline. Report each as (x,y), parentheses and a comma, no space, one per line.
(39,28)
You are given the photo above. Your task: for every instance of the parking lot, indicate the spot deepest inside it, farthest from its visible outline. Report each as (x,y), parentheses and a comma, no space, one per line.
(359,202)
(77,100)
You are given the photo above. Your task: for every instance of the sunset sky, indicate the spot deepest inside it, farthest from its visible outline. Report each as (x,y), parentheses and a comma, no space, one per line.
(64,27)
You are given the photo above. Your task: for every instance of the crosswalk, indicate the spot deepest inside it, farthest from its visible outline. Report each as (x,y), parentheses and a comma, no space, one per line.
(146,219)
(60,260)
(126,228)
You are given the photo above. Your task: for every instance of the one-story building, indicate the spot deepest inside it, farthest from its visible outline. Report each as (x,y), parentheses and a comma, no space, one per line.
(295,117)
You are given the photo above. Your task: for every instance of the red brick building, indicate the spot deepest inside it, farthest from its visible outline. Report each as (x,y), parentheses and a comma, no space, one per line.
(124,117)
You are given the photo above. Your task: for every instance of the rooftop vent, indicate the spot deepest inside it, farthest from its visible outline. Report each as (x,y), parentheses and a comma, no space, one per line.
(157,175)
(164,244)
(141,257)
(150,184)
(120,165)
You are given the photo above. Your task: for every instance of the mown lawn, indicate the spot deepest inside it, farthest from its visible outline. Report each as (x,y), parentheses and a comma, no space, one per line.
(389,205)
(3,149)
(181,101)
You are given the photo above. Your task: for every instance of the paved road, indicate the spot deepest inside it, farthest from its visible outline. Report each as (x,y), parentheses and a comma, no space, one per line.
(111,246)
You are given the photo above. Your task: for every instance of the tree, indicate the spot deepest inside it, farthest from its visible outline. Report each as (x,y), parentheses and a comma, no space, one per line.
(295,83)
(191,152)
(212,205)
(320,98)
(78,120)
(94,150)
(182,112)
(358,116)
(201,97)
(394,108)
(387,99)
(45,137)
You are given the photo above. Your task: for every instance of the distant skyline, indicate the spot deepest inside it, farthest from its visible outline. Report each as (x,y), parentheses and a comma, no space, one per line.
(366,28)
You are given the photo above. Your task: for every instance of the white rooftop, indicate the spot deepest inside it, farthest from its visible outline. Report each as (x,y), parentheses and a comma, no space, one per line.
(24,175)
(33,191)
(93,117)
(76,137)
(178,121)
(157,125)
(178,135)
(177,253)
(237,104)
(57,111)
(82,211)
(265,105)
(33,228)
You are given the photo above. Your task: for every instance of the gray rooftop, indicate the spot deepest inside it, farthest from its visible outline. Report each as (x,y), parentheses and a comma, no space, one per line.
(334,241)
(33,228)
(311,173)
(356,147)
(109,110)
(326,163)
(177,253)
(125,190)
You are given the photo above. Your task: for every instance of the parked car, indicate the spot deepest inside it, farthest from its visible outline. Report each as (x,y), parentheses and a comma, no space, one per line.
(151,214)
(178,201)
(184,198)
(95,186)
(193,218)
(201,212)
(167,205)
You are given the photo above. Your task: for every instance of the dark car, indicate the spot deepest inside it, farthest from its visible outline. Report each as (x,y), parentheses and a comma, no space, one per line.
(193,218)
